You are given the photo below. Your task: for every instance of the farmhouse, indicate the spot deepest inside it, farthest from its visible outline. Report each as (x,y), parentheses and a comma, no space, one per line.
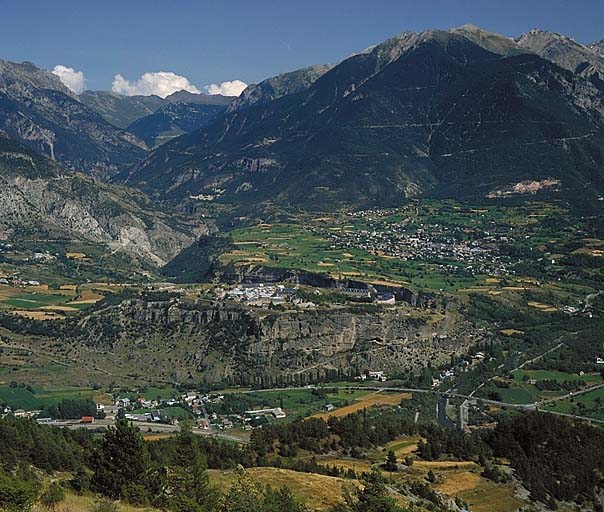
(380,376)
(277,412)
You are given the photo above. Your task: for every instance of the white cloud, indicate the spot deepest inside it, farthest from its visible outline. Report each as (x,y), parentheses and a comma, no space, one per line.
(234,88)
(72,79)
(161,83)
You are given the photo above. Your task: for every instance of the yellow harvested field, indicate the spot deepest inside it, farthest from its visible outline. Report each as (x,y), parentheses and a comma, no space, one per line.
(510,332)
(38,315)
(403,446)
(548,308)
(354,464)
(69,287)
(73,503)
(87,297)
(105,399)
(324,264)
(62,309)
(347,255)
(458,482)
(383,282)
(157,437)
(491,280)
(444,464)
(320,492)
(254,259)
(90,295)
(75,255)
(488,496)
(38,288)
(372,400)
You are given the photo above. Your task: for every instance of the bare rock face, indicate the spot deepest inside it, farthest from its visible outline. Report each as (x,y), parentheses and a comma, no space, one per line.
(587,61)
(37,109)
(226,342)
(597,47)
(39,197)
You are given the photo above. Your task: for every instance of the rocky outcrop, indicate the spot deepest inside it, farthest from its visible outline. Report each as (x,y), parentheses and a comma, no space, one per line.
(218,341)
(262,274)
(567,53)
(39,197)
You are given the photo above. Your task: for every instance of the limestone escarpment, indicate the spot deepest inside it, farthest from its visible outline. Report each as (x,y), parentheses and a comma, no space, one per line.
(232,343)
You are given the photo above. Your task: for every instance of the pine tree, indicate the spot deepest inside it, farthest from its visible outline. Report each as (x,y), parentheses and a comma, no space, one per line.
(121,464)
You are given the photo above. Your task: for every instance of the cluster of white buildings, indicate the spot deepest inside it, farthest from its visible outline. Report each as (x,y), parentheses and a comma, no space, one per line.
(378,376)
(261,294)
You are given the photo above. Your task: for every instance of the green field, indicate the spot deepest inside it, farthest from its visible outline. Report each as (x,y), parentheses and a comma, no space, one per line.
(589,404)
(35,300)
(297,403)
(23,398)
(306,242)
(307,247)
(589,378)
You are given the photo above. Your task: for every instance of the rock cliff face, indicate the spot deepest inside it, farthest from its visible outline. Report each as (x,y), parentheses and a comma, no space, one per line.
(41,200)
(220,342)
(586,61)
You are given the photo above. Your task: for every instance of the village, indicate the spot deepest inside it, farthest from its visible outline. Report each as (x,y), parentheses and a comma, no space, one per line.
(446,245)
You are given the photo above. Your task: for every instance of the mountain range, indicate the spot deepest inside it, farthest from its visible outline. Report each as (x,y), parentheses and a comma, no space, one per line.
(37,109)
(464,113)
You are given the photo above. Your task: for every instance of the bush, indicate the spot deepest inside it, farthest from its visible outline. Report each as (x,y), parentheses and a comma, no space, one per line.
(105,505)
(54,495)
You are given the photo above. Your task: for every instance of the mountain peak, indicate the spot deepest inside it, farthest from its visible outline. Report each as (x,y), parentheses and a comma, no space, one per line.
(565,52)
(27,72)
(491,41)
(200,98)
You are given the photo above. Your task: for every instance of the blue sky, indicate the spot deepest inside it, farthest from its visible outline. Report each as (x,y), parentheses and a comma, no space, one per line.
(214,41)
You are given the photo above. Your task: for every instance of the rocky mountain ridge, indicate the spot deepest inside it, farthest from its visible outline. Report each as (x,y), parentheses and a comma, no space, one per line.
(421,114)
(38,110)
(43,201)
(122,111)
